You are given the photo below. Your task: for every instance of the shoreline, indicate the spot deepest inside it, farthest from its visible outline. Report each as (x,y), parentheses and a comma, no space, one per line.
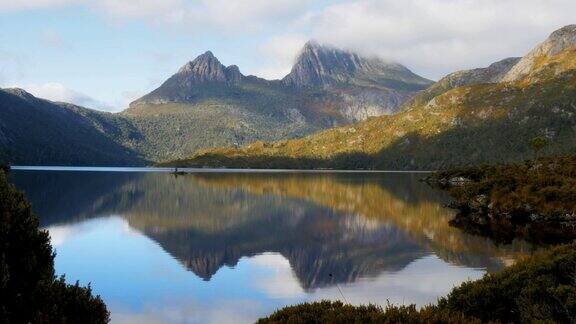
(200,170)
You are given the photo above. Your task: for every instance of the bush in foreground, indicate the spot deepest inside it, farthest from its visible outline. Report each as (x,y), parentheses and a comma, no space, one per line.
(541,288)
(337,312)
(29,290)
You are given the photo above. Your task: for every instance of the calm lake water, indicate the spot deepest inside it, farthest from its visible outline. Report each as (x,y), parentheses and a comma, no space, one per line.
(229,247)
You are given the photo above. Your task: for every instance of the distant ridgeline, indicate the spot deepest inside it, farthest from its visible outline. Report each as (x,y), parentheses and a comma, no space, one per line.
(469,117)
(206,104)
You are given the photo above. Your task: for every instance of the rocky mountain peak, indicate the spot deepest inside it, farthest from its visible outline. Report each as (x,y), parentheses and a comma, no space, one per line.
(558,41)
(319,65)
(19,92)
(325,66)
(562,38)
(207,68)
(204,70)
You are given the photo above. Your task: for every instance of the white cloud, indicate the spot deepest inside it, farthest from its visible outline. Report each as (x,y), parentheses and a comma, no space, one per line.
(279,53)
(52,38)
(159,10)
(206,15)
(15,5)
(438,36)
(57,92)
(279,281)
(231,16)
(60,234)
(432,37)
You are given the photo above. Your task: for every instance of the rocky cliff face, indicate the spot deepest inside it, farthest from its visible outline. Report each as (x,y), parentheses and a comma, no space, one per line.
(491,74)
(560,40)
(324,66)
(206,69)
(318,67)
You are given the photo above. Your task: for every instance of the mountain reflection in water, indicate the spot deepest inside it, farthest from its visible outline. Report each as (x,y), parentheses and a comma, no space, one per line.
(331,228)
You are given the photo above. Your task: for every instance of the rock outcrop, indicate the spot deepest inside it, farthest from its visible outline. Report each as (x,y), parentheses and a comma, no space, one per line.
(561,39)
(182,86)
(325,66)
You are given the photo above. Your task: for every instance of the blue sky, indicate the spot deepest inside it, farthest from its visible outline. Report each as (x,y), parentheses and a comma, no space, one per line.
(104,53)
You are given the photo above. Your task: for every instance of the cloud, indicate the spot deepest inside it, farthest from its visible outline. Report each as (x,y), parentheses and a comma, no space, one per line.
(438,36)
(279,54)
(432,37)
(51,38)
(279,280)
(57,92)
(158,10)
(421,282)
(17,5)
(229,16)
(206,15)
(60,234)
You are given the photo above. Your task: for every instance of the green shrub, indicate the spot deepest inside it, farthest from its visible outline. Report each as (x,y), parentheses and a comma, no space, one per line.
(29,290)
(541,288)
(337,312)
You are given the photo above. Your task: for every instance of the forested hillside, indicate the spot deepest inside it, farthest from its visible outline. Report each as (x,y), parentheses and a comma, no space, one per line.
(34,131)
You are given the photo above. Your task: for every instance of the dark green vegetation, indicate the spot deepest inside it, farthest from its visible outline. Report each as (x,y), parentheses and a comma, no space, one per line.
(534,200)
(36,131)
(206,104)
(467,118)
(541,288)
(29,290)
(337,312)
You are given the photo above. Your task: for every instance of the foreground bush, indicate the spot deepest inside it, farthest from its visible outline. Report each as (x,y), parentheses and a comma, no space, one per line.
(29,290)
(337,312)
(539,289)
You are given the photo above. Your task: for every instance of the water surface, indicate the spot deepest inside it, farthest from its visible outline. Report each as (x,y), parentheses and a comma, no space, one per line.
(219,247)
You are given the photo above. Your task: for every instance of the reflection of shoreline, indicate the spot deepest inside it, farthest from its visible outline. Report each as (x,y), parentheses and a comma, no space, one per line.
(423,218)
(351,226)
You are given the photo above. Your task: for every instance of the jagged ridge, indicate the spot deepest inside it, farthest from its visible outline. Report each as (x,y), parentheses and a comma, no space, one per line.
(325,66)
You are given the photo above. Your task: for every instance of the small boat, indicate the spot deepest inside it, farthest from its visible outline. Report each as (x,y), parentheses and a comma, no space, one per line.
(176,172)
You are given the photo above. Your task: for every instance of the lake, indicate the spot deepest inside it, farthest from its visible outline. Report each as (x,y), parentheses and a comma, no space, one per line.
(223,247)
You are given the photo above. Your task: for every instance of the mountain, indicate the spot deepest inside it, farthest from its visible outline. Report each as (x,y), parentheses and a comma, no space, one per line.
(329,67)
(184,85)
(471,117)
(206,104)
(540,58)
(494,73)
(35,132)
